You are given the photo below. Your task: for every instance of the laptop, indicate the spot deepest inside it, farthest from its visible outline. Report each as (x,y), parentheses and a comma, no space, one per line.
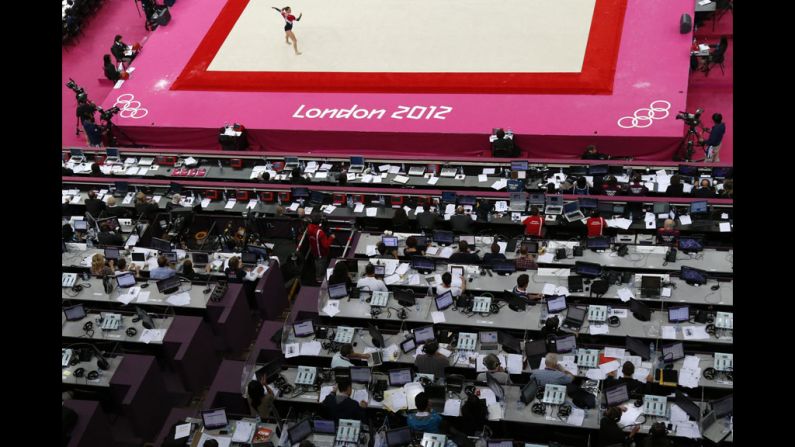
(398,437)
(304,328)
(400,377)
(112,253)
(199,259)
(112,155)
(214,419)
(510,344)
(121,189)
(616,395)
(489,341)
(448,172)
(571,211)
(75,313)
(574,318)
(146,161)
(565,343)
(535,351)
(337,291)
(518,202)
(417,170)
(139,259)
(360,374)
(290,163)
(556,304)
(76,156)
(357,164)
(554,205)
(300,431)
(248,259)
(125,280)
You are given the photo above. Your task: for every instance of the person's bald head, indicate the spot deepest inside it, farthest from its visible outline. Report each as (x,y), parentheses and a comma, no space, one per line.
(668,224)
(551,360)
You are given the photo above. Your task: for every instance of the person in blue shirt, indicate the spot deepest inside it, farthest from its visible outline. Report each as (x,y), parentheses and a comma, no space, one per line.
(424,420)
(712,145)
(162,271)
(552,372)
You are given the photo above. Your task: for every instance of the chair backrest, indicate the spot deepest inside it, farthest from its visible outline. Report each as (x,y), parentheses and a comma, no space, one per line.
(723,4)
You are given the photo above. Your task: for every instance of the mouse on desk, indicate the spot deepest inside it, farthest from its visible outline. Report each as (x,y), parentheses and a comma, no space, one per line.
(715,287)
(144,285)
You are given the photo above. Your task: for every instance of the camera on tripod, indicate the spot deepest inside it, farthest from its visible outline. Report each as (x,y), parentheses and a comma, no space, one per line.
(107,115)
(80,92)
(691,119)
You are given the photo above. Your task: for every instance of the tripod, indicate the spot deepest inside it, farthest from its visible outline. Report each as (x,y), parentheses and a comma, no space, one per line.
(686,147)
(109,131)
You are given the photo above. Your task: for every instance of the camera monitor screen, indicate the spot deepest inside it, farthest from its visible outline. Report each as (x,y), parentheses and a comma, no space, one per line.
(587,203)
(673,352)
(443,237)
(566,343)
(605,208)
(616,395)
(679,314)
(588,269)
(400,377)
(448,197)
(423,334)
(200,258)
(398,437)
(390,241)
(214,419)
(122,187)
(304,328)
(554,200)
(692,276)
(316,197)
(380,270)
(422,263)
(299,193)
(571,207)
(125,280)
(698,207)
(537,199)
(661,207)
(168,285)
(248,258)
(337,291)
(444,301)
(357,161)
(466,200)
(519,165)
(112,253)
(360,374)
(638,347)
(300,431)
(556,304)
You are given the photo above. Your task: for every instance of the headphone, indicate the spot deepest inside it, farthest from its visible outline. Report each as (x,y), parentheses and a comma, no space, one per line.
(497,363)
(93,375)
(564,411)
(614,321)
(709,373)
(428,344)
(88,327)
(469,390)
(79,372)
(710,329)
(402,314)
(425,381)
(131,331)
(539,408)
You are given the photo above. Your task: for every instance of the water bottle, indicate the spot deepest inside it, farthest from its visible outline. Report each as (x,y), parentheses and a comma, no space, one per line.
(350,201)
(268,165)
(653,356)
(543,314)
(430,290)
(89,242)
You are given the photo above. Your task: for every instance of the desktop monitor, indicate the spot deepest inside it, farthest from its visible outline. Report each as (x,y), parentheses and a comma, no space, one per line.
(723,172)
(146,319)
(598,243)
(638,347)
(505,267)
(692,275)
(535,348)
(112,152)
(138,256)
(300,431)
(200,258)
(515,185)
(423,263)
(688,171)
(160,244)
(398,437)
(168,285)
(448,197)
(357,161)
(565,343)
(317,197)
(723,406)
(588,269)
(360,374)
(443,237)
(380,270)
(324,426)
(554,200)
(248,257)
(661,208)
(690,244)
(530,245)
(124,280)
(698,207)
(598,170)
(467,200)
(673,352)
(75,152)
(112,253)
(400,377)
(390,241)
(122,187)
(423,334)
(605,208)
(556,304)
(75,313)
(519,165)
(687,405)
(299,193)
(81,225)
(679,314)
(587,203)
(537,199)
(510,344)
(616,395)
(214,419)
(619,208)
(304,328)
(571,207)
(337,291)
(444,301)
(576,313)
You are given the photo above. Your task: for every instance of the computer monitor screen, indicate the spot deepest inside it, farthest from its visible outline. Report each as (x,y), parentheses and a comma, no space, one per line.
(444,301)
(576,313)
(566,343)
(690,244)
(299,193)
(168,285)
(380,270)
(554,200)
(597,170)
(214,419)
(357,161)
(515,185)
(422,241)
(466,200)
(571,207)
(537,199)
(199,258)
(337,291)
(692,276)
(531,246)
(448,197)
(423,334)
(556,303)
(80,225)
(408,345)
(488,337)
(661,207)
(74,152)
(723,172)
(112,253)
(616,395)
(138,256)
(112,152)
(316,197)
(688,171)
(390,241)
(519,165)
(398,437)
(638,347)
(536,347)
(503,267)
(588,269)
(723,406)
(673,352)
(605,208)
(160,244)
(324,426)
(248,258)
(171,256)
(598,243)
(74,313)
(261,252)
(698,207)
(678,314)
(360,374)
(291,161)
(443,237)
(499,443)
(300,431)
(304,328)
(125,280)
(687,405)
(399,377)
(422,263)
(122,187)
(588,203)
(618,208)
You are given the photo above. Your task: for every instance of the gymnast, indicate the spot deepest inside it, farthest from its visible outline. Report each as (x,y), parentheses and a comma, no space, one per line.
(288,26)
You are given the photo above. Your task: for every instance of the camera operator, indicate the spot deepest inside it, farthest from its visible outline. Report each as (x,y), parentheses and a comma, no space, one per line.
(712,145)
(85,113)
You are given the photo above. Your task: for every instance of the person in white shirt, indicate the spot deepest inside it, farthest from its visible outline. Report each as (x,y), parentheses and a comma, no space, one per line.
(456,288)
(370,282)
(342,358)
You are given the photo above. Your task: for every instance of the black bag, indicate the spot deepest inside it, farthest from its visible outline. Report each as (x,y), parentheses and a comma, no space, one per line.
(169,3)
(599,287)
(583,399)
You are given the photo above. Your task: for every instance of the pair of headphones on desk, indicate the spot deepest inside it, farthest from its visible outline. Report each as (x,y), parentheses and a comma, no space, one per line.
(712,373)
(131,331)
(93,375)
(564,411)
(281,383)
(539,408)
(88,328)
(79,372)
(613,321)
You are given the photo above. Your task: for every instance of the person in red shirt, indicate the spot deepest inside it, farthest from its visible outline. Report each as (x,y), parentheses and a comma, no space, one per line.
(288,26)
(596,224)
(533,224)
(668,234)
(319,245)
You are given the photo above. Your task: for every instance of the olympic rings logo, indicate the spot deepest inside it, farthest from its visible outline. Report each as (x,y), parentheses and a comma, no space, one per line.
(129,107)
(644,117)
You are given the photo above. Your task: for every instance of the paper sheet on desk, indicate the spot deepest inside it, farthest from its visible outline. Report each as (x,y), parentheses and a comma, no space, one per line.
(377,178)
(332,308)
(433,180)
(400,179)
(392,279)
(515,365)
(358,208)
(438,317)
(179,299)
(495,412)
(325,391)
(402,268)
(597,329)
(292,350)
(223,441)
(545,271)
(142,297)
(414,280)
(446,252)
(625,294)
(678,415)
(499,184)
(367,178)
(243,431)
(619,223)
(689,378)
(182,431)
(640,374)
(547,258)
(370,250)
(483,178)
(488,395)
(432,250)
(371,211)
(694,332)
(329,209)
(595,374)
(630,416)
(150,335)
(668,332)
(687,429)
(395,400)
(391,352)
(361,395)
(576,417)
(311,348)
(725,227)
(691,362)
(617,353)
(452,407)
(230,204)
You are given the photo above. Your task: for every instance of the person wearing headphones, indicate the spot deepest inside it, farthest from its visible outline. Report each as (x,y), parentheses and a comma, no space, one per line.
(101,268)
(520,290)
(233,271)
(431,361)
(552,372)
(370,282)
(551,327)
(456,287)
(595,224)
(339,405)
(162,271)
(463,256)
(424,420)
(658,437)
(260,398)
(412,249)
(636,186)
(495,255)
(495,370)
(634,387)
(342,359)
(385,252)
(610,434)
(534,223)
(668,234)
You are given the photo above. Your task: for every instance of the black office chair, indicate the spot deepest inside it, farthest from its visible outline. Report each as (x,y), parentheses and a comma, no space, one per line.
(718,57)
(721,8)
